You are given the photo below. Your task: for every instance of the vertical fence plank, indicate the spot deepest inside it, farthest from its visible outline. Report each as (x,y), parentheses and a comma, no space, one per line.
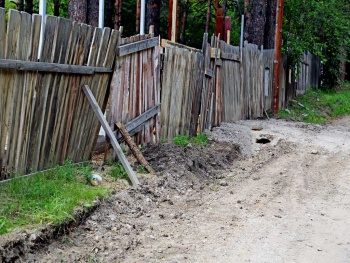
(12,82)
(2,90)
(42,91)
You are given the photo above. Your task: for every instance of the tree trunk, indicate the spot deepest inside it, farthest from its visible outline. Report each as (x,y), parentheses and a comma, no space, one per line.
(110,14)
(138,16)
(28,7)
(184,22)
(20,5)
(77,10)
(118,4)
(153,15)
(270,25)
(224,4)
(2,3)
(207,23)
(177,37)
(56,7)
(92,18)
(255,21)
(170,18)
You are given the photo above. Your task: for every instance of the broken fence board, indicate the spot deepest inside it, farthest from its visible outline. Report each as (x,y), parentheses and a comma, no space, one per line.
(130,126)
(168,43)
(114,142)
(137,46)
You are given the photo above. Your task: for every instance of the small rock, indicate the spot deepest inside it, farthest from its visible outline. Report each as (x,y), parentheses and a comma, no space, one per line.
(113,217)
(32,237)
(223,183)
(97,177)
(314,152)
(257,128)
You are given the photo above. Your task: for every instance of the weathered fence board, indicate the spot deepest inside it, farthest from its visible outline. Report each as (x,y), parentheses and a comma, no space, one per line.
(232,91)
(135,86)
(181,89)
(51,67)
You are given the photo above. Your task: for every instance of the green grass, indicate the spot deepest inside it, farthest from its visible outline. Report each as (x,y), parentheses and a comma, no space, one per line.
(319,106)
(184,140)
(49,197)
(117,171)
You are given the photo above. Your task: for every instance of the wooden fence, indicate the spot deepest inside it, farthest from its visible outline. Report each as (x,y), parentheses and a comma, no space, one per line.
(135,88)
(233,84)
(45,117)
(182,78)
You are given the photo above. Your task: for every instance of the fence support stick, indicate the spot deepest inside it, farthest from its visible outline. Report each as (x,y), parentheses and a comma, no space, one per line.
(109,133)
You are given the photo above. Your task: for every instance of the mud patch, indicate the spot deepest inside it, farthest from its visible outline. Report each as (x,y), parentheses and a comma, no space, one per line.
(205,161)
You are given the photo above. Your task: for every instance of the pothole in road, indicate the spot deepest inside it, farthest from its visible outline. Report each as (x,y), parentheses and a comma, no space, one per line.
(263,140)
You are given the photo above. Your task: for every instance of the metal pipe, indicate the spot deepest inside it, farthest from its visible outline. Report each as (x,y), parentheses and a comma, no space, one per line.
(42,12)
(101,13)
(143,16)
(242,32)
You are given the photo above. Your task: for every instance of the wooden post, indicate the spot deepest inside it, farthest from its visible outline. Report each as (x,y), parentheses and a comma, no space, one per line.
(278,56)
(133,147)
(109,133)
(228,37)
(227,33)
(173,21)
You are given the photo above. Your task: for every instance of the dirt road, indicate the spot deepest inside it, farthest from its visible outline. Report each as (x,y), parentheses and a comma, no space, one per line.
(284,201)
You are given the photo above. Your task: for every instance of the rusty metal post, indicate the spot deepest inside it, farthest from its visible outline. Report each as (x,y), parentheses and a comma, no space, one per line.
(278,56)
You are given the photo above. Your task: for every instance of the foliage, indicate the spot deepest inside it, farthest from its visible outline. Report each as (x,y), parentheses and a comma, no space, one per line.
(117,171)
(201,139)
(141,169)
(320,27)
(318,106)
(48,197)
(184,140)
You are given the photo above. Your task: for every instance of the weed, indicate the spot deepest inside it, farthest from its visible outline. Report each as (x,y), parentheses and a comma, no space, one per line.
(48,197)
(318,106)
(117,171)
(201,139)
(141,169)
(184,140)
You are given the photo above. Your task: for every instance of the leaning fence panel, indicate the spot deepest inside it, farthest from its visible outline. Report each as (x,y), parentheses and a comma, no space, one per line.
(44,114)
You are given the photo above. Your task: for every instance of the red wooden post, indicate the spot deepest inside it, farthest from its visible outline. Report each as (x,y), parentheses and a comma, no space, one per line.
(278,56)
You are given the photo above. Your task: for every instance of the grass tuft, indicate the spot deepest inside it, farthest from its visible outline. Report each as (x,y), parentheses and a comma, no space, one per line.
(117,171)
(49,197)
(318,106)
(184,140)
